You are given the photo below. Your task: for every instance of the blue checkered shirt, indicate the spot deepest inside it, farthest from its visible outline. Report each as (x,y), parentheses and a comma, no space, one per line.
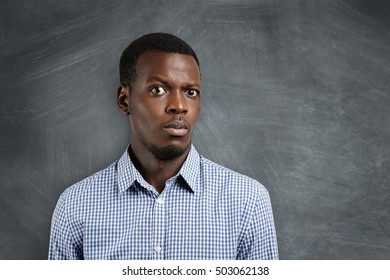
(206,211)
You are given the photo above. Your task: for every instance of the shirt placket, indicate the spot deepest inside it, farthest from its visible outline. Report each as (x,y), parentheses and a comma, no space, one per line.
(158,242)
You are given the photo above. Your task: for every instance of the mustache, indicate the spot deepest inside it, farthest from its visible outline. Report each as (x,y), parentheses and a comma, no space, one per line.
(178,124)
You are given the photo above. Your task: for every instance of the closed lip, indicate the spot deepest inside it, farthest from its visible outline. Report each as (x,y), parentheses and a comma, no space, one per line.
(176,128)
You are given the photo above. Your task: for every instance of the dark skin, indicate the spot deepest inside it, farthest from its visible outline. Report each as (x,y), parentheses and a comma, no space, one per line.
(163,104)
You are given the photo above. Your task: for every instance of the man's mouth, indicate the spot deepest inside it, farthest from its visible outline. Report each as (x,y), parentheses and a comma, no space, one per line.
(177,128)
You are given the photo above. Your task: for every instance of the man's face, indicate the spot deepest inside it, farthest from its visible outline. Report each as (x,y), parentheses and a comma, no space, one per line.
(163,102)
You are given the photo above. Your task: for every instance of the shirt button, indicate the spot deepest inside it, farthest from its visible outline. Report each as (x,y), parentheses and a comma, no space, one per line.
(159,201)
(157,249)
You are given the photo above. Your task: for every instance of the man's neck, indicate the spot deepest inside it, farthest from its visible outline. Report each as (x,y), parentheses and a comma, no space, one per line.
(156,171)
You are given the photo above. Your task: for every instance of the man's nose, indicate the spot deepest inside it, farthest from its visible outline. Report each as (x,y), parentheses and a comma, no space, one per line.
(177,103)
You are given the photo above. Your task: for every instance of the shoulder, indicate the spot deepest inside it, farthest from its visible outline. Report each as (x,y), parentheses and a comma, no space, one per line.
(226,179)
(97,183)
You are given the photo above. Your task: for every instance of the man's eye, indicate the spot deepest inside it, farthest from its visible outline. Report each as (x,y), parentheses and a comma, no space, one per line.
(192,92)
(157,90)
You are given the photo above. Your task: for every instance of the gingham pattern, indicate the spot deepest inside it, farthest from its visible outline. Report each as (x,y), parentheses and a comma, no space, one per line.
(205,212)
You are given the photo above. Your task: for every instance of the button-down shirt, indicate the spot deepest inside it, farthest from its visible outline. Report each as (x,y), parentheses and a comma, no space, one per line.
(206,211)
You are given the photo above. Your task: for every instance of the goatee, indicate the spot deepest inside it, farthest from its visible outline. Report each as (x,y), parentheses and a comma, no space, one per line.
(168,152)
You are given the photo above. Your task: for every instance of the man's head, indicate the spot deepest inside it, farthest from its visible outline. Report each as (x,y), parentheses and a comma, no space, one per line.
(160,42)
(160,91)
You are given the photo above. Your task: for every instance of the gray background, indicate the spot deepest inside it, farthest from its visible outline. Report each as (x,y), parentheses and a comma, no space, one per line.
(296,94)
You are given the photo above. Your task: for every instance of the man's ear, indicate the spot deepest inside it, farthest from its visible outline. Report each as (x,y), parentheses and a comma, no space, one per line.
(123,99)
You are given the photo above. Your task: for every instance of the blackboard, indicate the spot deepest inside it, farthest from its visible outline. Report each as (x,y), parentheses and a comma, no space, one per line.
(296,94)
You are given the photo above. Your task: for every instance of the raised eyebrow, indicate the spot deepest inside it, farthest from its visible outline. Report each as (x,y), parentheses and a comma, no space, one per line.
(164,82)
(193,85)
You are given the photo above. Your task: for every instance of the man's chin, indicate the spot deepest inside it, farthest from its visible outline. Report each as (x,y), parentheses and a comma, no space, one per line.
(168,152)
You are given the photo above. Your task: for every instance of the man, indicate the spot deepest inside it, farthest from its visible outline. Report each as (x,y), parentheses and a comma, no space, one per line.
(161,199)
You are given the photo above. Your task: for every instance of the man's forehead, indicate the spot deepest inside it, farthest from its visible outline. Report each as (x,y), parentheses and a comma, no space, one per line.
(151,56)
(154,61)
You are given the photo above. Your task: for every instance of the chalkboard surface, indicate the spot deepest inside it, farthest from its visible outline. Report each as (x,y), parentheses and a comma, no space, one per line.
(296,94)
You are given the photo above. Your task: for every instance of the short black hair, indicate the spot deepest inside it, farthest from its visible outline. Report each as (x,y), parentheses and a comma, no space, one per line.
(162,42)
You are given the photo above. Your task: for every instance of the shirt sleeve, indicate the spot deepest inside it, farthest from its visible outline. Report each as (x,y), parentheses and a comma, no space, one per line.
(62,243)
(259,241)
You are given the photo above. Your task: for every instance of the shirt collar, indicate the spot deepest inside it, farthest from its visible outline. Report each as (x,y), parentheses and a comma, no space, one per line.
(128,174)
